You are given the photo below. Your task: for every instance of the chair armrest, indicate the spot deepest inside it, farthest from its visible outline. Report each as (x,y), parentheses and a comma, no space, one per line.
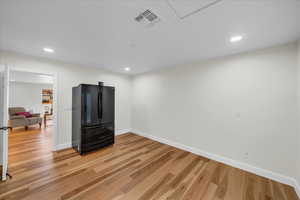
(17,117)
(36,115)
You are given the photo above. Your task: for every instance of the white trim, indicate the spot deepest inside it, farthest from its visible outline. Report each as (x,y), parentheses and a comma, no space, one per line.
(55,101)
(297,188)
(55,111)
(62,146)
(256,170)
(4,120)
(122,131)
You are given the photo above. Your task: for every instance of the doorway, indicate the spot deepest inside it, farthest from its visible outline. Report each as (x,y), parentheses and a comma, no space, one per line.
(32,115)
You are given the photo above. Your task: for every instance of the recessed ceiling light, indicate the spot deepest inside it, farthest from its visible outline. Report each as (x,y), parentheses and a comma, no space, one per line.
(127,69)
(48,50)
(236,38)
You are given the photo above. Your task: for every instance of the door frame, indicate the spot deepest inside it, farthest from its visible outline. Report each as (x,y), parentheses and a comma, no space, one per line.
(55,100)
(5,90)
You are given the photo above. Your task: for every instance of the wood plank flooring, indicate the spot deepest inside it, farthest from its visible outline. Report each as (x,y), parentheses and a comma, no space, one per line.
(135,168)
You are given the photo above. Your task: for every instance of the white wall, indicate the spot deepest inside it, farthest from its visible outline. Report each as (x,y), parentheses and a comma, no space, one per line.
(241,107)
(27,95)
(70,75)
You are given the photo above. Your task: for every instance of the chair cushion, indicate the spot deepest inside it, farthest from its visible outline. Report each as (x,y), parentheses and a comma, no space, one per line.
(26,114)
(34,120)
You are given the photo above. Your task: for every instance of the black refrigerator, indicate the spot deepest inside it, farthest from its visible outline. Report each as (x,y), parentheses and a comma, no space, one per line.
(93,117)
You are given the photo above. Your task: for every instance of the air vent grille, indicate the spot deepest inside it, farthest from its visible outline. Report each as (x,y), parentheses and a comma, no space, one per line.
(139,18)
(147,17)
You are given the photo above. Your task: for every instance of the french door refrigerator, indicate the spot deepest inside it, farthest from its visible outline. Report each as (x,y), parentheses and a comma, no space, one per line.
(93,117)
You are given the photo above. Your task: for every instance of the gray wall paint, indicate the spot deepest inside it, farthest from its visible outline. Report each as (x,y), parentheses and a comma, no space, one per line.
(242,107)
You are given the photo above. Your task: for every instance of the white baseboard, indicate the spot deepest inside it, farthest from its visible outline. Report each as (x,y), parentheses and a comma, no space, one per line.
(63,146)
(244,166)
(122,131)
(297,188)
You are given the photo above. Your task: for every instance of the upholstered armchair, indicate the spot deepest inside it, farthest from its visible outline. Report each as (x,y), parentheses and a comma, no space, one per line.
(20,120)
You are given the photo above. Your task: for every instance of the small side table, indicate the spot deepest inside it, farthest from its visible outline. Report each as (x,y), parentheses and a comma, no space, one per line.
(45,118)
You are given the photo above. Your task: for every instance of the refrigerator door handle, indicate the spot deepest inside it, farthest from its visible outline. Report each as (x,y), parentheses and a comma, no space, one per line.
(98,106)
(100,103)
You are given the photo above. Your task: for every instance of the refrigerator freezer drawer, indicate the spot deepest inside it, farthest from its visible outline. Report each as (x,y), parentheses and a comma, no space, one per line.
(96,134)
(97,145)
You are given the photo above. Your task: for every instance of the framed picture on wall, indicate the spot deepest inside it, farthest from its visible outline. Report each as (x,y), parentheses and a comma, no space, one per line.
(47,96)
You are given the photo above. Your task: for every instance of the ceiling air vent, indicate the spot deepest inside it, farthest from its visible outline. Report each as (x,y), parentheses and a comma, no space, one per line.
(147,18)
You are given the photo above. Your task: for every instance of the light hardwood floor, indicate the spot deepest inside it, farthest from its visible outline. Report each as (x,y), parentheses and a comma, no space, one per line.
(134,168)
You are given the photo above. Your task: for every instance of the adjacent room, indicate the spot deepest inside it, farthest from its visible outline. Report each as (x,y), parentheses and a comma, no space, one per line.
(30,114)
(150,100)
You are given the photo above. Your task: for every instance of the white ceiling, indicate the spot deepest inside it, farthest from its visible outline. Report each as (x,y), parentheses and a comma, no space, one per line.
(103,33)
